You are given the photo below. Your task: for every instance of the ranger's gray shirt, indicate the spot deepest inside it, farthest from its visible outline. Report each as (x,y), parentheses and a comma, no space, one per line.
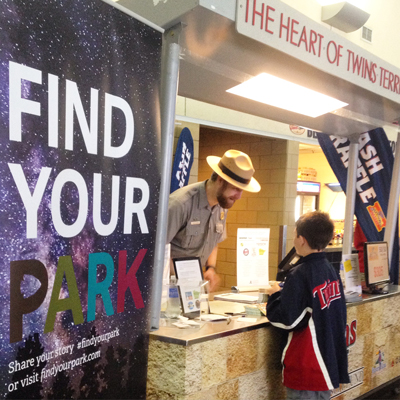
(194,228)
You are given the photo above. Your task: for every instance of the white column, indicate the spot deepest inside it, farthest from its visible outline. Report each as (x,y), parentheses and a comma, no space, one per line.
(350,196)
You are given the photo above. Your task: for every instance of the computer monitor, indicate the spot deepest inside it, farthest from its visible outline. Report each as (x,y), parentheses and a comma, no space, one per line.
(291,259)
(376,266)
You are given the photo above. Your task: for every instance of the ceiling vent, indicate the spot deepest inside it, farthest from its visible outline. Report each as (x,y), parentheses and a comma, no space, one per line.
(344,16)
(367,34)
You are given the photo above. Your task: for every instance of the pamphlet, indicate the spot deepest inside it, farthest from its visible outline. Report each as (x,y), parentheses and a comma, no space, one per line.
(351,272)
(226,307)
(237,297)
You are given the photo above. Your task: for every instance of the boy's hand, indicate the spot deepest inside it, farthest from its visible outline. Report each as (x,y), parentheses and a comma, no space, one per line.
(274,288)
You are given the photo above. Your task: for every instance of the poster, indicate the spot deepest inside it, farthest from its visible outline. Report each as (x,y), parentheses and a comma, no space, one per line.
(252,256)
(79,186)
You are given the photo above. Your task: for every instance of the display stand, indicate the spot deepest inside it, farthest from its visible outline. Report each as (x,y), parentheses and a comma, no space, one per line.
(192,287)
(374,289)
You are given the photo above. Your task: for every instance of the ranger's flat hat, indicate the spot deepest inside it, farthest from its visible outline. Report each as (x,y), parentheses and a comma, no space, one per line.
(236,168)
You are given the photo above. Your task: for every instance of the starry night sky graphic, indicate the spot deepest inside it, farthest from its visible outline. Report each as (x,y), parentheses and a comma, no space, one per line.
(95,46)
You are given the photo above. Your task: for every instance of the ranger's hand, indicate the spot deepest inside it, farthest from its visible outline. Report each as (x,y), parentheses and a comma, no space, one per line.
(211,276)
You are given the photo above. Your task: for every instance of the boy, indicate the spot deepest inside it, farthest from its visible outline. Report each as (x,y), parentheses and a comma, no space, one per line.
(311,306)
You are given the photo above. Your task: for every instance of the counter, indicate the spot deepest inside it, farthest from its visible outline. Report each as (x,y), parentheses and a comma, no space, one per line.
(241,360)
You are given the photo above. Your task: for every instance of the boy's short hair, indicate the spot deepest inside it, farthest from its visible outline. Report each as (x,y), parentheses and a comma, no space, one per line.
(317,228)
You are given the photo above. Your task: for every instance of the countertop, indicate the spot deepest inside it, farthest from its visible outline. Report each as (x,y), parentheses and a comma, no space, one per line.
(214,330)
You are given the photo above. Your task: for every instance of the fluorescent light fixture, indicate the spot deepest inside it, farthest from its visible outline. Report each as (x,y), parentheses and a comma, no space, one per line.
(277,92)
(335,187)
(308,187)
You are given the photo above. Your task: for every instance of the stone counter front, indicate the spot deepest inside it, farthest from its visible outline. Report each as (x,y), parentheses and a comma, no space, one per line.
(373,344)
(232,367)
(246,365)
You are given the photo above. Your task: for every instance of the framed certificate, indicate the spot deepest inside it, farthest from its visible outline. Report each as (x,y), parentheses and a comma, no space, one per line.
(189,273)
(376,262)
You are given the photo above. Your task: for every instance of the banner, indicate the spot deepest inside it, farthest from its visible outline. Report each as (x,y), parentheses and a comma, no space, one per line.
(183,160)
(79,186)
(374,173)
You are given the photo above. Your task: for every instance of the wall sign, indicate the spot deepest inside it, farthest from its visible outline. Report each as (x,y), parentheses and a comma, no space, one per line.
(277,25)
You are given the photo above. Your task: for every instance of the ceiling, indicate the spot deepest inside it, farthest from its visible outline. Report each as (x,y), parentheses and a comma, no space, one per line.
(215,57)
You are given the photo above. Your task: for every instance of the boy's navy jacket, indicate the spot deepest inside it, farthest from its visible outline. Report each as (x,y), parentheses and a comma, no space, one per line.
(312,307)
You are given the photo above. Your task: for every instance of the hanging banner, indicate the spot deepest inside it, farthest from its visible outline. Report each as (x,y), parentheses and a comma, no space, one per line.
(183,160)
(374,173)
(79,186)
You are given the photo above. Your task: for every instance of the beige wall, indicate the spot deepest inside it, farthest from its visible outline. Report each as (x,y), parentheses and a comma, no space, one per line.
(275,162)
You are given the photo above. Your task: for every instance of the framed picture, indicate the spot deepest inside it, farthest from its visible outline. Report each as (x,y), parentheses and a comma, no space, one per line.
(376,263)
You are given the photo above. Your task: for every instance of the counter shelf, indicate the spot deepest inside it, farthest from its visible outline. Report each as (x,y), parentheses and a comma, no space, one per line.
(207,331)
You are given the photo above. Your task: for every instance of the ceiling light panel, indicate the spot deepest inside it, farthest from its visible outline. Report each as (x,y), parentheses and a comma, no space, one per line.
(277,92)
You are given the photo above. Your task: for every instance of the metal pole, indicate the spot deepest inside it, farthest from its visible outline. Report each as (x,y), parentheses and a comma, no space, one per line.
(393,206)
(169,89)
(350,196)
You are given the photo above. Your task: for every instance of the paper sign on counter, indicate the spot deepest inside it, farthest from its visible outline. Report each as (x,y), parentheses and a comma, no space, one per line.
(252,256)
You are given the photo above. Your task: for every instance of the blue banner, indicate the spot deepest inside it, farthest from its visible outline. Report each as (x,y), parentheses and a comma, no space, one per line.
(374,173)
(183,160)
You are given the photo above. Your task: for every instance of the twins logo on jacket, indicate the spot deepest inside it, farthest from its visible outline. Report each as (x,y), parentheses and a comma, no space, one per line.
(327,292)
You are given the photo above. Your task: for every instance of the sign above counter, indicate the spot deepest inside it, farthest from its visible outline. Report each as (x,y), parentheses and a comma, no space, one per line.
(277,25)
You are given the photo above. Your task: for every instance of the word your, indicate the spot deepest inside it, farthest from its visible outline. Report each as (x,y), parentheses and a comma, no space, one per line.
(33,200)
(21,305)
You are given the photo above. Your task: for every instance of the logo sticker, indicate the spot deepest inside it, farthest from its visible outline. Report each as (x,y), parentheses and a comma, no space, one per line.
(297,130)
(377,216)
